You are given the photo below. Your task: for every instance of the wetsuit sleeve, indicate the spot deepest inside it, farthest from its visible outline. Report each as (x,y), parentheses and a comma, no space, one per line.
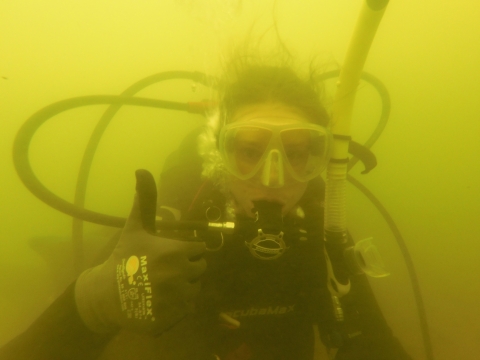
(58,333)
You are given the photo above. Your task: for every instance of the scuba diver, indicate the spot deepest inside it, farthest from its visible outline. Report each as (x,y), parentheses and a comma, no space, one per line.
(257,293)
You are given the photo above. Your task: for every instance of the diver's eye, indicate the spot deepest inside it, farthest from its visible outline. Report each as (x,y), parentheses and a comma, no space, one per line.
(297,155)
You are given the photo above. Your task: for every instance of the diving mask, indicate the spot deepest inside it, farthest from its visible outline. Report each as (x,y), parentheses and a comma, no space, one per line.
(275,149)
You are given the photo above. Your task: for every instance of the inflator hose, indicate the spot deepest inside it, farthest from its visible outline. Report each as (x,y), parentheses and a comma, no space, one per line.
(335,187)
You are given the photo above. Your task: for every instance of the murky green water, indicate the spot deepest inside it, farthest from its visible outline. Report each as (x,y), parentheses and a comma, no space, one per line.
(428,170)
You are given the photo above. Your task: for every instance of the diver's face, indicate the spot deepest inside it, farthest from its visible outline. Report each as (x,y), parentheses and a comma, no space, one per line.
(289,191)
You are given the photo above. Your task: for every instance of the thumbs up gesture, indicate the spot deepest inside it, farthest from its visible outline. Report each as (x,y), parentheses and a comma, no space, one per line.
(148,283)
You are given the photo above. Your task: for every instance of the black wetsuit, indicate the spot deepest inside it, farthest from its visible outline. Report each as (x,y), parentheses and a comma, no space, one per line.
(277,302)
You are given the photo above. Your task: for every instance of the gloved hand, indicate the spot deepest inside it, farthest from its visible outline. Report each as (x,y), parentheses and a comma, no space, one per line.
(147,285)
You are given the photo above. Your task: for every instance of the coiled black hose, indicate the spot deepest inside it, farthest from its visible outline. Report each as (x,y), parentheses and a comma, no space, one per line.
(91,148)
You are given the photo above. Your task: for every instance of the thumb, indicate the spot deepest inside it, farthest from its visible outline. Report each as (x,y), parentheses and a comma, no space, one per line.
(144,206)
(134,220)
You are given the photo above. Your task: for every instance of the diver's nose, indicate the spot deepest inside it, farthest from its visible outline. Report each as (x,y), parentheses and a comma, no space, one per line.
(273,173)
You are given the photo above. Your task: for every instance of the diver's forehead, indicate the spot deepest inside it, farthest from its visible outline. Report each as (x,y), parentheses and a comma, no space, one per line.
(276,113)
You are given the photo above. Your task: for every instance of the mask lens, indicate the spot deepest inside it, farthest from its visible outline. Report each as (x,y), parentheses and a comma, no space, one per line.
(305,151)
(244,149)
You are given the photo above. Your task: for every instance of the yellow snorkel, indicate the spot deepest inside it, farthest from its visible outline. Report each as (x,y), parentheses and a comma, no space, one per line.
(336,178)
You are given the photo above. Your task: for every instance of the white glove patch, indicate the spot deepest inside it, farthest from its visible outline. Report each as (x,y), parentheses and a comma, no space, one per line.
(134,288)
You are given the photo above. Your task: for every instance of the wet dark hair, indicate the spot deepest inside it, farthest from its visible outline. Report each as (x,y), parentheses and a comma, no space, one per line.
(256,84)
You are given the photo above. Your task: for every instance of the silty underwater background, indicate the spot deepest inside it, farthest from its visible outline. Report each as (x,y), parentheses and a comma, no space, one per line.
(428,175)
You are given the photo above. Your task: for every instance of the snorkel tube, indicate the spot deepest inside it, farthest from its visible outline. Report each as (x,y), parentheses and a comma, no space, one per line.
(335,223)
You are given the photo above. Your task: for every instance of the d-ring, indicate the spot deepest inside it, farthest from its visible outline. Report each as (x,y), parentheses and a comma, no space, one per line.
(219,246)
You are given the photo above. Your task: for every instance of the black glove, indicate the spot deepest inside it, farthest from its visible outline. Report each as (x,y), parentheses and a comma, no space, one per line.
(148,283)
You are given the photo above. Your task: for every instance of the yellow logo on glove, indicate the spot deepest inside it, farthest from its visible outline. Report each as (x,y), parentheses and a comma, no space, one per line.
(131,267)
